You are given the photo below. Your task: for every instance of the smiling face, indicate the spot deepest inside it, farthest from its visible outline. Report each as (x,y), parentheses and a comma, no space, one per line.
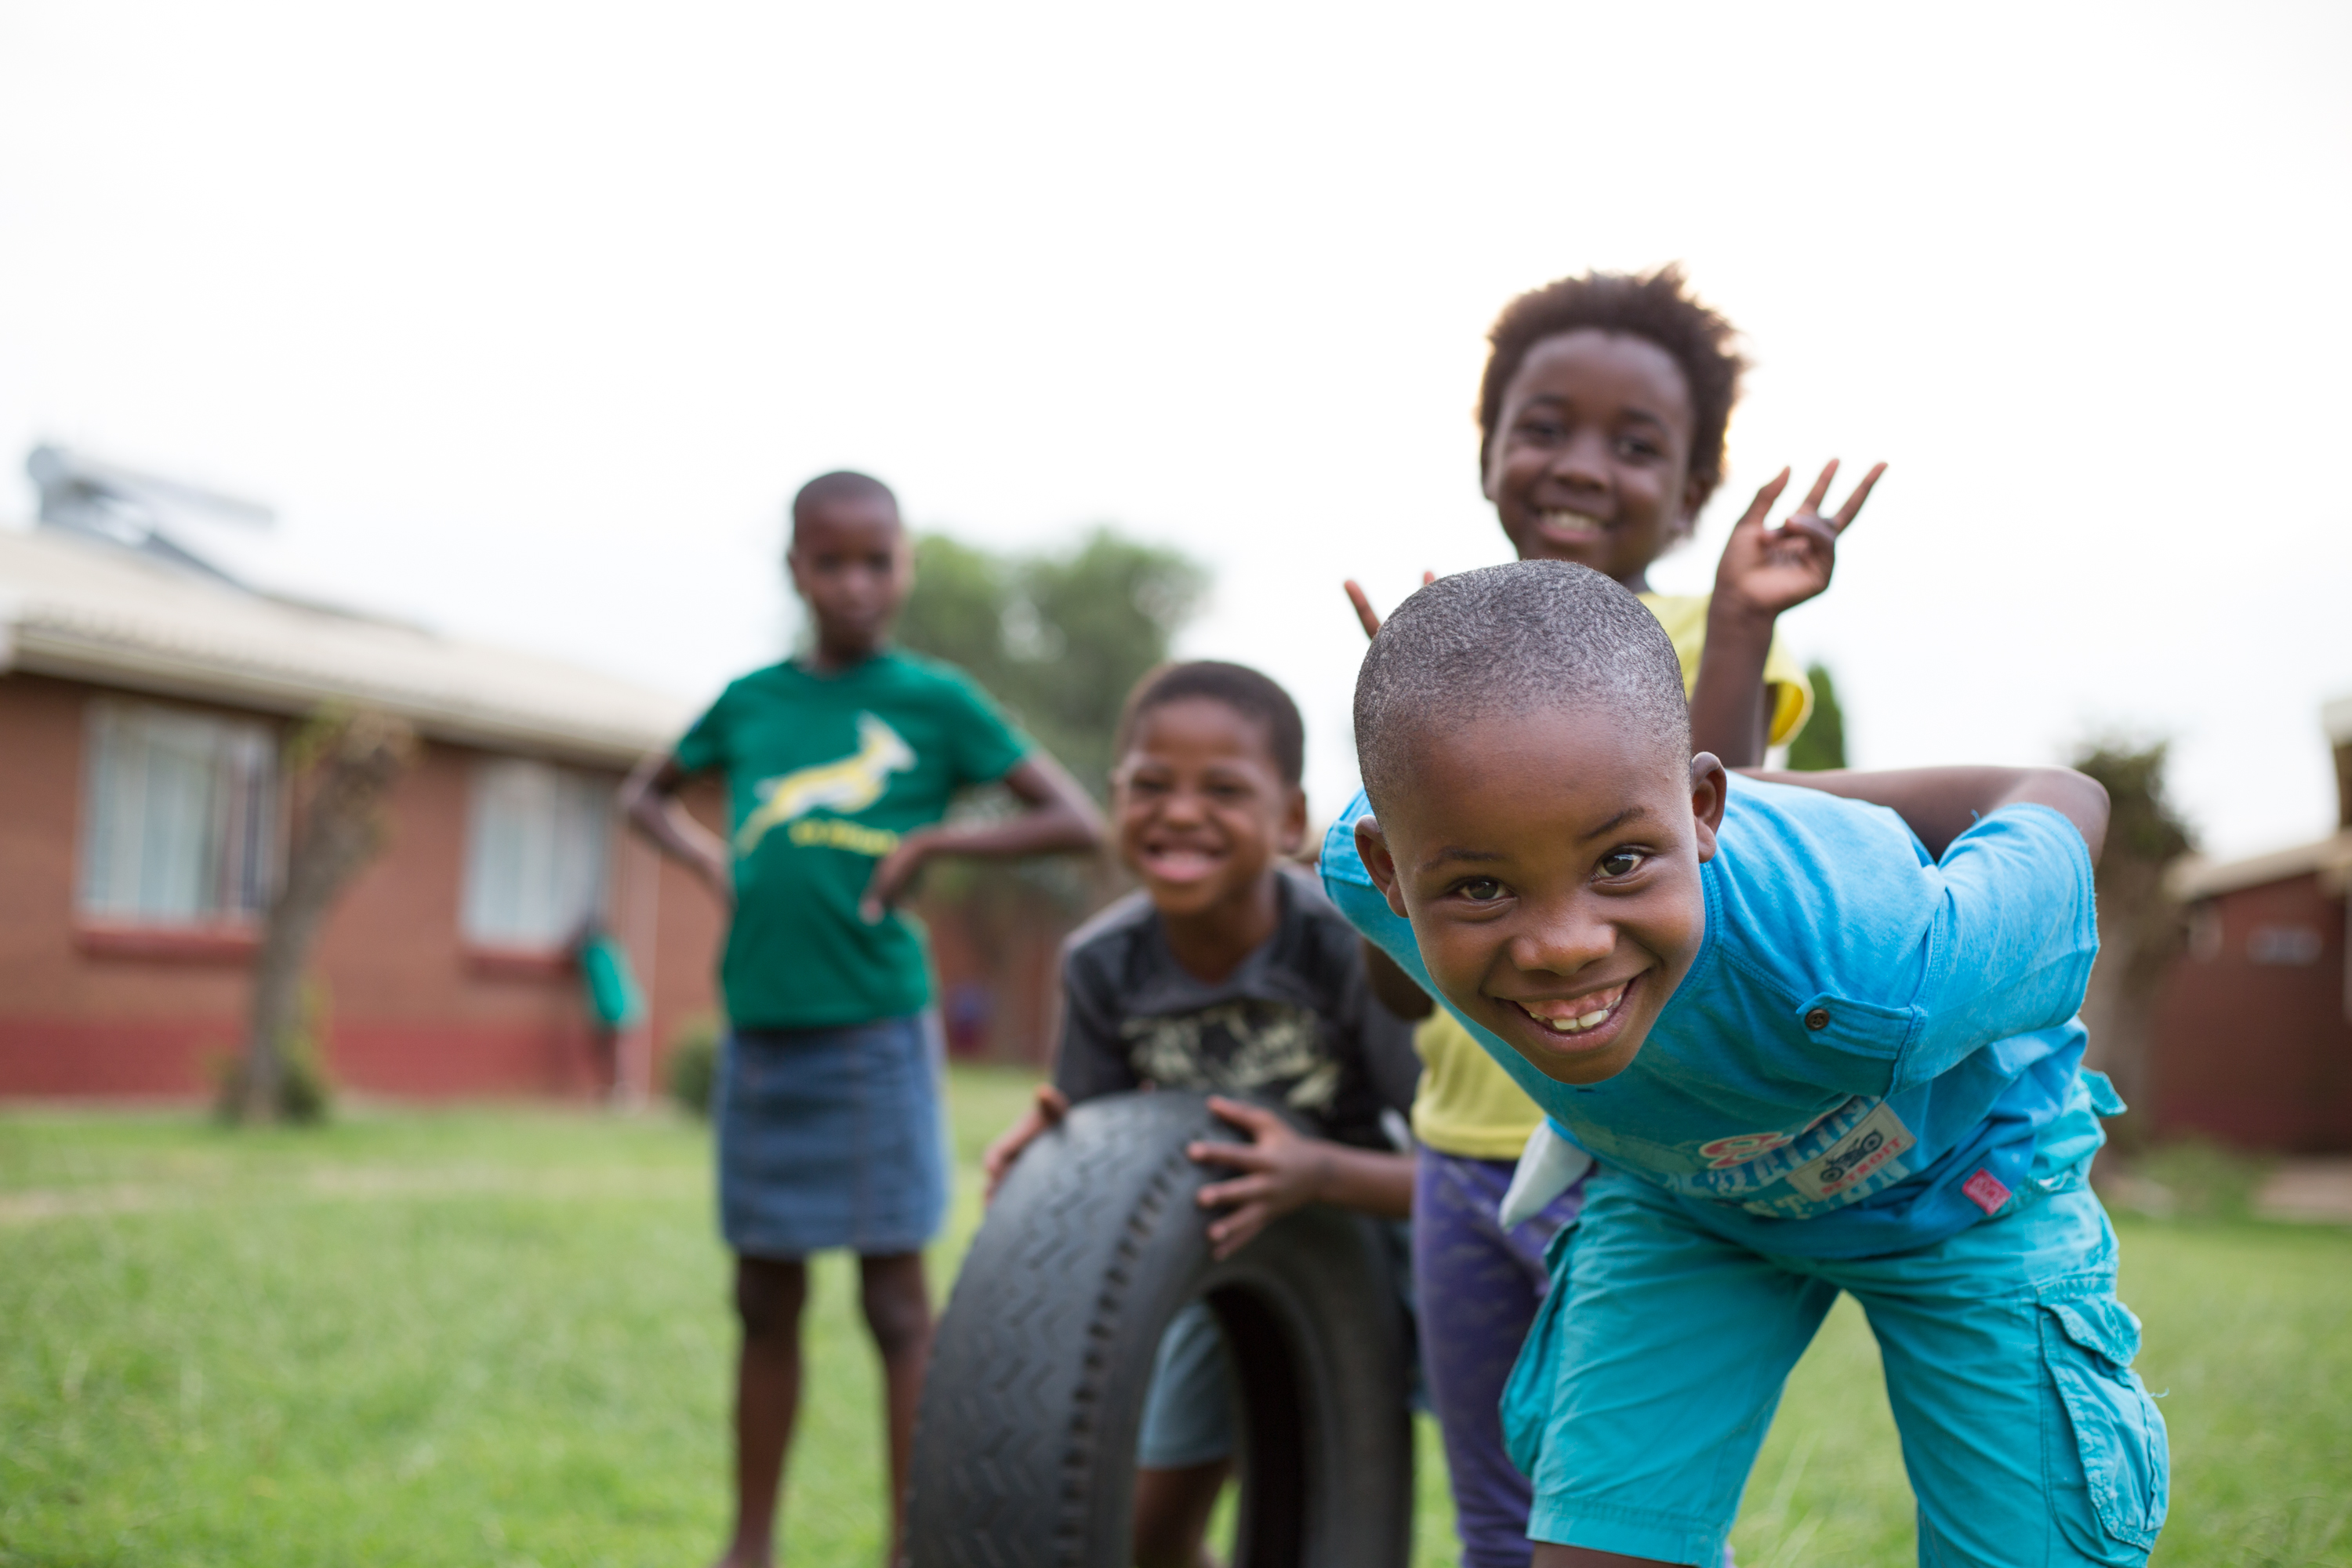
(851,565)
(1549,865)
(1202,807)
(1591,460)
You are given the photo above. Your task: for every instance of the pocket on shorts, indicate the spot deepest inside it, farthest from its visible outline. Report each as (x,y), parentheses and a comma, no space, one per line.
(2088,1341)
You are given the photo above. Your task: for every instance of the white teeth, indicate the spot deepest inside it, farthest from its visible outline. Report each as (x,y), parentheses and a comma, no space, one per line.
(1575,1026)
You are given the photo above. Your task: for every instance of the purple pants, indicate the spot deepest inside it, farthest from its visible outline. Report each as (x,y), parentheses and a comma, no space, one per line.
(1477,1285)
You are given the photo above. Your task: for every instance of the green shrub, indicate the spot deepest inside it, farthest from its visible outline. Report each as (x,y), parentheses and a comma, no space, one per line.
(691,1068)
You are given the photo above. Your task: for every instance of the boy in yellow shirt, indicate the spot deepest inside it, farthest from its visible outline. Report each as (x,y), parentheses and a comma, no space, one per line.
(1602,415)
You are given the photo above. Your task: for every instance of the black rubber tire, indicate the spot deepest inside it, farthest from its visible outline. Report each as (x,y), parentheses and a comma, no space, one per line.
(1024,1453)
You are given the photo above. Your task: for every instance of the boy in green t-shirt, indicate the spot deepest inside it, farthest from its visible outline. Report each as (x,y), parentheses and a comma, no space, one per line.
(839,766)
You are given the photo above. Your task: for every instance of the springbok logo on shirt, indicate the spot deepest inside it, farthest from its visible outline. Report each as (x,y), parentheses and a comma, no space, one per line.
(847,787)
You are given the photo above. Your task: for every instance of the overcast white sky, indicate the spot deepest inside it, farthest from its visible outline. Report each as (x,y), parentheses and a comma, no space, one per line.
(530,318)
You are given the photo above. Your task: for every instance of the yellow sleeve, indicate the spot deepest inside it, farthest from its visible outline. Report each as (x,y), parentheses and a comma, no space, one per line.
(1792,692)
(1467,1105)
(1685,617)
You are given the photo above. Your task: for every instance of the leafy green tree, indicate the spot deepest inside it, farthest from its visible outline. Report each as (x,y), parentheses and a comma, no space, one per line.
(1821,744)
(1057,636)
(2141,928)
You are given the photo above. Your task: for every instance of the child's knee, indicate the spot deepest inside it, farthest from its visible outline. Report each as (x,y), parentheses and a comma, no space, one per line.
(898,1310)
(769,1294)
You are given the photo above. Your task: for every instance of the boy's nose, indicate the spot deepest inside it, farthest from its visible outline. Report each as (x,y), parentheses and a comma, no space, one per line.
(1182,806)
(1565,939)
(1582,463)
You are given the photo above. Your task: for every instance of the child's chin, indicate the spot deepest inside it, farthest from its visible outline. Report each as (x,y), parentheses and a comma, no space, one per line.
(1566,1059)
(1598,1066)
(1181,895)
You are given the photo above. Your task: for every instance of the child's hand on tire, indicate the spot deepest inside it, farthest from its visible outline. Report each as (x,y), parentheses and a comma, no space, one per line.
(1282,1169)
(1046,1108)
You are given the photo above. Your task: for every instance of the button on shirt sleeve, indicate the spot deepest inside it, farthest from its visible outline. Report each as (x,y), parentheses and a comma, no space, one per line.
(2013,941)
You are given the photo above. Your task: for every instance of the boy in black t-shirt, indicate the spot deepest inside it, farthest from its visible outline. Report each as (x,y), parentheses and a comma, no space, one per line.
(1232,974)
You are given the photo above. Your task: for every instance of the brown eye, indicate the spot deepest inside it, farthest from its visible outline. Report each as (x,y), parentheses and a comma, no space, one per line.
(1622,863)
(1481,889)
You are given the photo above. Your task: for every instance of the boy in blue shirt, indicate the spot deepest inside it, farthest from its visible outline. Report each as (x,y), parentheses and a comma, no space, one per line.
(1819,1039)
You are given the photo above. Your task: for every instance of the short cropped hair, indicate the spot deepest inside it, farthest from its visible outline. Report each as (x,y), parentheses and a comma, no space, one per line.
(1656,306)
(842,484)
(1506,640)
(1239,687)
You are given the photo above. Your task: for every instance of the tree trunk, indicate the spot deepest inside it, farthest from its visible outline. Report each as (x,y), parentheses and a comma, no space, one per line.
(343,763)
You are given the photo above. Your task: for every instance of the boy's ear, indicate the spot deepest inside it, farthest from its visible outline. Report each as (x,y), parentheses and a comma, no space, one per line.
(1373,845)
(1294,822)
(1710,792)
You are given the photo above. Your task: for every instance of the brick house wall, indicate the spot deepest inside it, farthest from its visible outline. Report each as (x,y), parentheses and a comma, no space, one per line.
(410,1008)
(2253,1044)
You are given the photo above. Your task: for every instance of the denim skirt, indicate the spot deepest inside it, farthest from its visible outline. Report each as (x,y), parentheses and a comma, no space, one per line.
(831,1138)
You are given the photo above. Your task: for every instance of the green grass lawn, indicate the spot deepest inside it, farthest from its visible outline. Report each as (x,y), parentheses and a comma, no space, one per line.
(501,1337)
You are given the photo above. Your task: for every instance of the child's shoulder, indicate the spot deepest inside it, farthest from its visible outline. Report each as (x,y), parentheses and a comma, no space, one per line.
(1313,952)
(924,672)
(1833,888)
(895,677)
(1312,908)
(1765,815)
(1109,931)
(1785,840)
(1316,946)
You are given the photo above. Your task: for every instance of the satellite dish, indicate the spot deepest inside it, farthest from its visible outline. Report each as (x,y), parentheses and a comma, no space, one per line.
(80,494)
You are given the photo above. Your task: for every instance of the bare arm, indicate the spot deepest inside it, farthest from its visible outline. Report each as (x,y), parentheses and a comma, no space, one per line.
(649,800)
(1765,573)
(1941,804)
(1059,819)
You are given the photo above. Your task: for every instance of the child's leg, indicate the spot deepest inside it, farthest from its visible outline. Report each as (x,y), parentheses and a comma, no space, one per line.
(1184,1447)
(899,1313)
(768,1295)
(2027,1438)
(1477,1289)
(1650,1377)
(1172,1506)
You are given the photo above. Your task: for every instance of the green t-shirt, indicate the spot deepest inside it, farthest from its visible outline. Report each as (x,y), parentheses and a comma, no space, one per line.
(823,774)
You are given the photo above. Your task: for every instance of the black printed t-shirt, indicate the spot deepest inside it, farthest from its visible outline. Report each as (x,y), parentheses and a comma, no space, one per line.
(1294,1023)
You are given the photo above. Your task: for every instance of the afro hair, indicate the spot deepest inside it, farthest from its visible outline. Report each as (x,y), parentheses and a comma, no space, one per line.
(1654,306)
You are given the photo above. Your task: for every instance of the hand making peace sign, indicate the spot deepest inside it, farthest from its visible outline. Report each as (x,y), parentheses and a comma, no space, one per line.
(1770,570)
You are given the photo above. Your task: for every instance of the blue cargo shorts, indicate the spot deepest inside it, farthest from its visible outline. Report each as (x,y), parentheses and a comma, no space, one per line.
(1658,1357)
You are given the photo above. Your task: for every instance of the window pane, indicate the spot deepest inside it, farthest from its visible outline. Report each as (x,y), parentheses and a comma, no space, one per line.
(178,816)
(535,853)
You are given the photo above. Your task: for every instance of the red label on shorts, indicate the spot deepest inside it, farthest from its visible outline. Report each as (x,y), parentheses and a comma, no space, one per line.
(1984,1191)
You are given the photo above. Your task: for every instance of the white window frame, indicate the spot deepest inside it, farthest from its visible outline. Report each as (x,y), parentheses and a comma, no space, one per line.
(538,853)
(180,817)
